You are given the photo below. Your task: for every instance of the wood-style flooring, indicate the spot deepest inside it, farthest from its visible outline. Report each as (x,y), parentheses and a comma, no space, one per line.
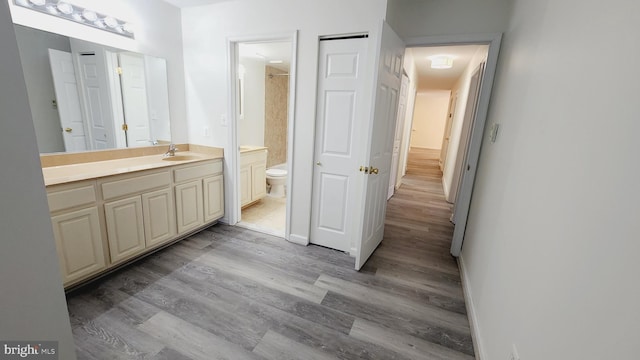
(231,293)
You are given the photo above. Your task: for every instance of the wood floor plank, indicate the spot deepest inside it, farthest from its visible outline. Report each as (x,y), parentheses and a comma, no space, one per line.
(276,346)
(192,340)
(439,317)
(266,276)
(410,346)
(417,327)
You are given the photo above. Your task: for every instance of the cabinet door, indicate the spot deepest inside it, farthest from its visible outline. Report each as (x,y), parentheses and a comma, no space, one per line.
(78,243)
(159,217)
(125,228)
(259,181)
(213,198)
(189,208)
(245,185)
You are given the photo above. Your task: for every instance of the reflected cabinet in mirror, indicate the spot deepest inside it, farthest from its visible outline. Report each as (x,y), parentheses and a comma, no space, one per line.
(84,96)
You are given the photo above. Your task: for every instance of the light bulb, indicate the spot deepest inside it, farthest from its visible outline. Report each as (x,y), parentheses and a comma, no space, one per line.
(90,15)
(65,8)
(111,22)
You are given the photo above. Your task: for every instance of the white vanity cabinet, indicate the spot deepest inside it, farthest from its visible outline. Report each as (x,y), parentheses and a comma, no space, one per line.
(101,223)
(253,176)
(77,231)
(139,212)
(199,194)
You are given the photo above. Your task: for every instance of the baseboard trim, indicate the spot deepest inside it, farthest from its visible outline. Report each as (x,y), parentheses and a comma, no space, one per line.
(478,347)
(300,240)
(446,190)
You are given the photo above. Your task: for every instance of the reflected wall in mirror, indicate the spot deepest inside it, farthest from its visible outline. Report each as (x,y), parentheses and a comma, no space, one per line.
(85,96)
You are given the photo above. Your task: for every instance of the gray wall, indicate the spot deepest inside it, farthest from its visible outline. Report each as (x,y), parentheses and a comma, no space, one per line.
(34,45)
(32,299)
(413,18)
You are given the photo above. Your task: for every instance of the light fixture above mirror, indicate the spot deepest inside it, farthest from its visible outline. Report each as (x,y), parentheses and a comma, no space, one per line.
(65,10)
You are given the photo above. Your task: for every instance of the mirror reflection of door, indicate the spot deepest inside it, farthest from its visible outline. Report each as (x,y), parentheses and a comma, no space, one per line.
(68,100)
(79,101)
(134,99)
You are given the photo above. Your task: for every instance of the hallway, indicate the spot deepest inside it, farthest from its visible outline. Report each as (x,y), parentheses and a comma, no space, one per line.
(232,293)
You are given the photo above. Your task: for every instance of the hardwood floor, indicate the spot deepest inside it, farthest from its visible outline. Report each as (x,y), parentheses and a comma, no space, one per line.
(231,293)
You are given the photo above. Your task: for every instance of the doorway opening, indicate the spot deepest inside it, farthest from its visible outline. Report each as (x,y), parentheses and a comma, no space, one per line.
(263,82)
(449,87)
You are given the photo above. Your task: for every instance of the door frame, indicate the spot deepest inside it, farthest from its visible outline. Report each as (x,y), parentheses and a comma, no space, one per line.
(477,132)
(232,151)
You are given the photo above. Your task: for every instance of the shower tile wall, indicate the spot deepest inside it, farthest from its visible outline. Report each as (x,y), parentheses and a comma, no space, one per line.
(275,127)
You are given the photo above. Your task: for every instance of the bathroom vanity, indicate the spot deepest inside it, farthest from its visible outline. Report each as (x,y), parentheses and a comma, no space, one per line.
(253,178)
(108,213)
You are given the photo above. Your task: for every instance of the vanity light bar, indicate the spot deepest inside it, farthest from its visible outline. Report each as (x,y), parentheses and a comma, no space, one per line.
(64,10)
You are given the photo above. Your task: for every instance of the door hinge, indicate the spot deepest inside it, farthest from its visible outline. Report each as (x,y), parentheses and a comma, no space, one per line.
(119,70)
(125,127)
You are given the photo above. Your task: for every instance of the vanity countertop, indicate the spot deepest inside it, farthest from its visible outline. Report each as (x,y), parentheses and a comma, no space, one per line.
(247,148)
(55,175)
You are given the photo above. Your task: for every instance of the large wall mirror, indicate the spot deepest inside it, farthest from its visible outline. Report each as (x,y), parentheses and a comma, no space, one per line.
(85,96)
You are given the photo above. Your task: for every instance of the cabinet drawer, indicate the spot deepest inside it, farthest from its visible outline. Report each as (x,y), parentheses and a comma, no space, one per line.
(135,185)
(71,198)
(197,172)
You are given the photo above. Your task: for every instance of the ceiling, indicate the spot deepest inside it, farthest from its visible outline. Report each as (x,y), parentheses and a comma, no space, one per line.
(442,79)
(189,3)
(268,51)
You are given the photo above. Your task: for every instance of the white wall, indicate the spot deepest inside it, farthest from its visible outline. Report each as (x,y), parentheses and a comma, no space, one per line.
(551,247)
(34,48)
(462,88)
(206,30)
(429,118)
(158,32)
(251,127)
(439,17)
(33,303)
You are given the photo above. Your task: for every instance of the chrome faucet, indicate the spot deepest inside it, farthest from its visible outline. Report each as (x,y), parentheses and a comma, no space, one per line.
(172,150)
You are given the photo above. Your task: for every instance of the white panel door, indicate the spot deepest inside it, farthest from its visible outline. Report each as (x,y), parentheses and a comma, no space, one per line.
(380,147)
(97,102)
(65,84)
(134,99)
(339,122)
(447,129)
(395,157)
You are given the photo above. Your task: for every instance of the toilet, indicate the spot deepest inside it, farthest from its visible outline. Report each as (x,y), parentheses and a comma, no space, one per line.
(277,179)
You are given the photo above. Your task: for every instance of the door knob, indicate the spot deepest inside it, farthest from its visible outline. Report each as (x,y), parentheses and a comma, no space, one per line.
(374,171)
(68,130)
(319,163)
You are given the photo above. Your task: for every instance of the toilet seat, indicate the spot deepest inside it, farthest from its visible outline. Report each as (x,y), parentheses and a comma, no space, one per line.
(276,173)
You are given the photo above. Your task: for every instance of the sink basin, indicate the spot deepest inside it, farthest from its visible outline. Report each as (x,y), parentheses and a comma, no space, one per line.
(181,158)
